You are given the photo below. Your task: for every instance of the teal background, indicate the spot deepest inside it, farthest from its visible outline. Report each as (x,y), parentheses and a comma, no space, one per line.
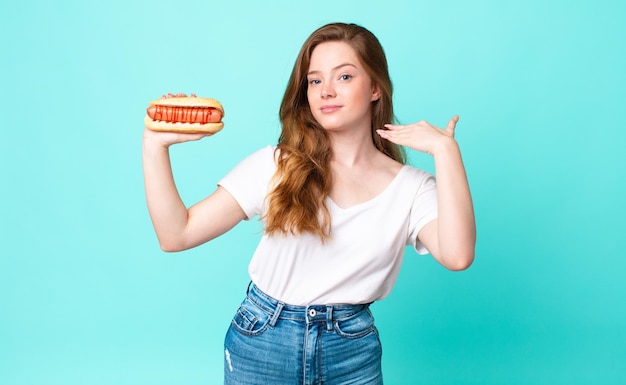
(87,297)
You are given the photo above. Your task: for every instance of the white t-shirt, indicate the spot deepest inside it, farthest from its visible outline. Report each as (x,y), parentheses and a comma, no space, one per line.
(361,260)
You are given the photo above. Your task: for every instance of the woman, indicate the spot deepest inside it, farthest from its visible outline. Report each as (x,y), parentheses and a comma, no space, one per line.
(338,206)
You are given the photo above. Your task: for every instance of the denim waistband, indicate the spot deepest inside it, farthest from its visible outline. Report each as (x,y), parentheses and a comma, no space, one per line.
(308,314)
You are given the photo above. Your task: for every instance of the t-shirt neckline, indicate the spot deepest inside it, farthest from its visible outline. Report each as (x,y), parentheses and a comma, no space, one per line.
(370,201)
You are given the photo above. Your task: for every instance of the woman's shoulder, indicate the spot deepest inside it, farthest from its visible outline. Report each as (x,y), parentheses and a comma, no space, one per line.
(415,177)
(415,171)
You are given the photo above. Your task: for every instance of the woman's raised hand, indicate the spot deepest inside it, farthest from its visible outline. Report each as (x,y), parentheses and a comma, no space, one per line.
(421,136)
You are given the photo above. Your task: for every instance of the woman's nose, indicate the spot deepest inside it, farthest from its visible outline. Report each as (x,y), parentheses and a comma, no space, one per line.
(328,91)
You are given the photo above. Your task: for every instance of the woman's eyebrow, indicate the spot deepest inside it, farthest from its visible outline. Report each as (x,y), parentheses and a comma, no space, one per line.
(334,68)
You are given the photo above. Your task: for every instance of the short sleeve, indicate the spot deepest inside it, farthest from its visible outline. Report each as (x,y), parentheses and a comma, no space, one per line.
(249,181)
(423,210)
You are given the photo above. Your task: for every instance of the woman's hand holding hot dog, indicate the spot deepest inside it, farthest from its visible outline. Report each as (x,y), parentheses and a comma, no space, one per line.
(178,227)
(166,139)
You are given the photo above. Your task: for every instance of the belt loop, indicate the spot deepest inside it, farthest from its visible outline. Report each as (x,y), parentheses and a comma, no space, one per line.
(329,317)
(279,309)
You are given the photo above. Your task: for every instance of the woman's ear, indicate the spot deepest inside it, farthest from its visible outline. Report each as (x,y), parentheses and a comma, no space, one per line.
(375,93)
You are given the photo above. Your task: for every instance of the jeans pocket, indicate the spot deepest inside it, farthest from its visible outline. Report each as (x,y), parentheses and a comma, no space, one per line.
(250,319)
(356,326)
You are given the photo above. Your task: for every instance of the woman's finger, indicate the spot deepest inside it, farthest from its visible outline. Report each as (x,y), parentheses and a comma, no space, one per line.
(452,125)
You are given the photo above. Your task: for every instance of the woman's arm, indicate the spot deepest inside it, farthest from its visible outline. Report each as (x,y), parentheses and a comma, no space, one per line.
(177,227)
(450,238)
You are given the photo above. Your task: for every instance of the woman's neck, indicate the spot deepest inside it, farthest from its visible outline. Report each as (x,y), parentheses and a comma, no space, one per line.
(352,150)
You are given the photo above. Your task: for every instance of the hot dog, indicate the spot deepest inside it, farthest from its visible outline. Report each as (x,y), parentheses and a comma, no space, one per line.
(185,114)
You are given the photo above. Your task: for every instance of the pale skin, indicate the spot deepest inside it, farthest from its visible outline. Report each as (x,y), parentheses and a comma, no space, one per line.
(452,236)
(340,94)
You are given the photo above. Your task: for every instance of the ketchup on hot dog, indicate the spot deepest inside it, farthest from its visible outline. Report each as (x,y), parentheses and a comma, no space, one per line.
(182,113)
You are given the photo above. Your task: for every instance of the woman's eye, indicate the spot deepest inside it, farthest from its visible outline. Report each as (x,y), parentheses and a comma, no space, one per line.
(346,77)
(314,81)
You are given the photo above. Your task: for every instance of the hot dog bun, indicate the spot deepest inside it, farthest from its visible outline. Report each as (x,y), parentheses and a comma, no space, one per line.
(185,114)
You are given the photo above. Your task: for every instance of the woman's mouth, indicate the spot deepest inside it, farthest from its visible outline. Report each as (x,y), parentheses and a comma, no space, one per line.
(328,108)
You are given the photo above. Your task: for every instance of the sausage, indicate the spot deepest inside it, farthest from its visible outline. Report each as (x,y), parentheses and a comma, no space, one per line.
(202,115)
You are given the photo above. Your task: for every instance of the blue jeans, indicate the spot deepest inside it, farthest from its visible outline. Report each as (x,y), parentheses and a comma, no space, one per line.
(271,343)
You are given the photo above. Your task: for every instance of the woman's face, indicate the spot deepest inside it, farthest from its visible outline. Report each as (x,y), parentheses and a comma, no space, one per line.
(340,91)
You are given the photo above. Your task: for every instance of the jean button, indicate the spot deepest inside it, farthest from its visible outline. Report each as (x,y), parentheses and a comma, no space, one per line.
(312,313)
